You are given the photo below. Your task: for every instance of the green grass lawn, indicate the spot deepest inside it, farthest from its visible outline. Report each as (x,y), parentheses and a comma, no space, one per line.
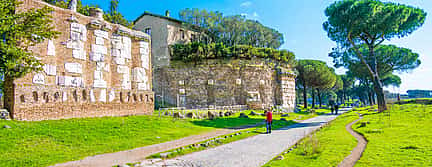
(327,147)
(221,122)
(401,136)
(49,142)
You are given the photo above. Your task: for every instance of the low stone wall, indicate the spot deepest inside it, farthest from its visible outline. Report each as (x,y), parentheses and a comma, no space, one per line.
(94,68)
(254,83)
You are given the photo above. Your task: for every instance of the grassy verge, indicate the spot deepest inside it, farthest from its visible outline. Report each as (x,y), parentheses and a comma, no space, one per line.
(224,139)
(327,147)
(400,136)
(49,142)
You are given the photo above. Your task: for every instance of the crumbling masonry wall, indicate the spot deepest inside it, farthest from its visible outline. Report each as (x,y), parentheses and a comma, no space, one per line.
(93,69)
(254,83)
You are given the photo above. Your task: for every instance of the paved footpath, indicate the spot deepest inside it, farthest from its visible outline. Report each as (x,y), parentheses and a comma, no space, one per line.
(139,154)
(257,150)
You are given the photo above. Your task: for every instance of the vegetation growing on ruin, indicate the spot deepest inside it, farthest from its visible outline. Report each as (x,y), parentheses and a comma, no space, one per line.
(196,51)
(112,15)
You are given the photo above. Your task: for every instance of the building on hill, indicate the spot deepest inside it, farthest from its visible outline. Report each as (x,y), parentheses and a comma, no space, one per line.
(164,31)
(93,69)
(419,93)
(254,83)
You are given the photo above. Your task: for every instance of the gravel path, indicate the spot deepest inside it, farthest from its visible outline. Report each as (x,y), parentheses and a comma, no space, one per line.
(357,152)
(257,150)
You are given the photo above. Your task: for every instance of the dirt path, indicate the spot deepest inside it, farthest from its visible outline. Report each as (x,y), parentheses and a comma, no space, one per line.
(139,154)
(357,152)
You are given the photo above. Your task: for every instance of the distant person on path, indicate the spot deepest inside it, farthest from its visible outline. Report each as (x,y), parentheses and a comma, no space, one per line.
(332,105)
(269,119)
(336,108)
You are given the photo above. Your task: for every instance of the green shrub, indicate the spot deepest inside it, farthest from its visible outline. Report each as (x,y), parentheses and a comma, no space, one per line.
(196,51)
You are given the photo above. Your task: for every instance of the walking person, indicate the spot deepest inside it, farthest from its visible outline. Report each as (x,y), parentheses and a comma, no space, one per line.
(336,108)
(332,105)
(269,119)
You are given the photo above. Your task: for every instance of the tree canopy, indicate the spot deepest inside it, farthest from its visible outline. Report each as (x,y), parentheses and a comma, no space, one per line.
(114,16)
(314,74)
(363,25)
(20,30)
(232,30)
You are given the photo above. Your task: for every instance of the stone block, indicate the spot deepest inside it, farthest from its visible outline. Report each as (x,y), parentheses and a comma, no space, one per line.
(103,95)
(51,48)
(123,69)
(100,33)
(50,69)
(73,68)
(99,49)
(39,79)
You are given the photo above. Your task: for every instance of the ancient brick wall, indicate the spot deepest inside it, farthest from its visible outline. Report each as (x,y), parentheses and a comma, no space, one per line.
(225,83)
(92,69)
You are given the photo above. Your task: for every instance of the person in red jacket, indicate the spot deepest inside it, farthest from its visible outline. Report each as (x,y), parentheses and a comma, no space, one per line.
(269,119)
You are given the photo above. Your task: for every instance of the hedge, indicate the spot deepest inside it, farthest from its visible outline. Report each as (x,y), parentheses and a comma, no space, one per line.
(196,51)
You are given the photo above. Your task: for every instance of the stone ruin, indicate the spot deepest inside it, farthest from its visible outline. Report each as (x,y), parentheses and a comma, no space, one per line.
(93,69)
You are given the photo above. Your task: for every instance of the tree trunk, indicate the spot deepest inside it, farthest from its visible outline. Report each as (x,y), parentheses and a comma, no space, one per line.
(382,106)
(9,93)
(313,98)
(370,98)
(319,98)
(304,96)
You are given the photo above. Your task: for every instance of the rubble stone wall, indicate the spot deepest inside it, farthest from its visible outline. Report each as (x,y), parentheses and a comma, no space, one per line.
(225,83)
(93,69)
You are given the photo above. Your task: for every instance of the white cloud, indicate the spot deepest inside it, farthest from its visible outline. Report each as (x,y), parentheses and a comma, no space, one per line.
(244,15)
(246,4)
(255,15)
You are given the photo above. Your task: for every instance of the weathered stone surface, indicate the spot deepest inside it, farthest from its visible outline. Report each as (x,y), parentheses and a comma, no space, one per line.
(178,115)
(211,115)
(214,83)
(4,114)
(243,115)
(68,92)
(280,157)
(191,115)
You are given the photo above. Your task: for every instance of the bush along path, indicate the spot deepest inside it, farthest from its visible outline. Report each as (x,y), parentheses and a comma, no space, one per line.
(251,152)
(357,152)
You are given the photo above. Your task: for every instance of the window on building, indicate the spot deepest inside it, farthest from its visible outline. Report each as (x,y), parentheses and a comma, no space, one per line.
(182,33)
(148,31)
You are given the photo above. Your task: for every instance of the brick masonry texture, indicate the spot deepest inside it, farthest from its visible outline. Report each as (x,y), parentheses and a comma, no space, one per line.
(88,80)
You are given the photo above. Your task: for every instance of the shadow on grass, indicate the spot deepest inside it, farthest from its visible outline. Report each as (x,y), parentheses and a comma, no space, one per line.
(240,123)
(230,123)
(302,125)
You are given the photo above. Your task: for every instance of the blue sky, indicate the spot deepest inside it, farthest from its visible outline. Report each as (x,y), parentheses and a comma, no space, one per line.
(301,23)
